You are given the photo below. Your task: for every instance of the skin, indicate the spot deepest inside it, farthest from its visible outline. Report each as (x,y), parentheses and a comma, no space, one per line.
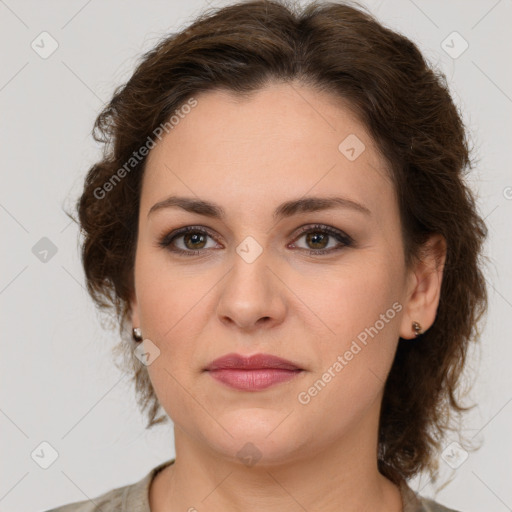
(250,155)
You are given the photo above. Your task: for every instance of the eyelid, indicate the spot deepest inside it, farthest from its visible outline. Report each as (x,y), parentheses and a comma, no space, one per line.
(345,240)
(328,229)
(168,238)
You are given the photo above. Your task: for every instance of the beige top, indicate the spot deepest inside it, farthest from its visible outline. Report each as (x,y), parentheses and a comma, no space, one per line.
(135,498)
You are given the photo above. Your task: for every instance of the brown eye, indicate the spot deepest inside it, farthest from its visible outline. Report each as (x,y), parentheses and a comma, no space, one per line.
(194,240)
(189,241)
(318,238)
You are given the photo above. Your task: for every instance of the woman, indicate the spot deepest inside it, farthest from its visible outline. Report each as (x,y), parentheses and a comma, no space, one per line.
(280,221)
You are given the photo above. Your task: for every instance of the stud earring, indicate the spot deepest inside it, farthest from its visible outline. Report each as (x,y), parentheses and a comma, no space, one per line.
(137,334)
(417,329)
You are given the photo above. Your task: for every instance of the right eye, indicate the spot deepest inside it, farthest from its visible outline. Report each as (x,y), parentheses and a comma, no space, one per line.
(193,239)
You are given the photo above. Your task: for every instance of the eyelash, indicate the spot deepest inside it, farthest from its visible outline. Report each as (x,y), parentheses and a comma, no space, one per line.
(346,241)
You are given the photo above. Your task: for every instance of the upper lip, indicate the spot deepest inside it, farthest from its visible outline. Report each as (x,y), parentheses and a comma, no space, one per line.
(254,362)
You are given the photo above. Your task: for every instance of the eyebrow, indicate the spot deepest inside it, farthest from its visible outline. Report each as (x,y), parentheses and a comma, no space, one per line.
(286,209)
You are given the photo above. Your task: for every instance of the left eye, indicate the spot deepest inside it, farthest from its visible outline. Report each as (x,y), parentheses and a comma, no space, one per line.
(318,238)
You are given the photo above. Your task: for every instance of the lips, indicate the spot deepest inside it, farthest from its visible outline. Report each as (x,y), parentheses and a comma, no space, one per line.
(254,362)
(253,373)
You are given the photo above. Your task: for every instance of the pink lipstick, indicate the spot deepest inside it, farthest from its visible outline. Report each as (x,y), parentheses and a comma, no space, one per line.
(252,373)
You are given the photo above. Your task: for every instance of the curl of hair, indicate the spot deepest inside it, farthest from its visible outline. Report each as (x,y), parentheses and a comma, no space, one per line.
(406,106)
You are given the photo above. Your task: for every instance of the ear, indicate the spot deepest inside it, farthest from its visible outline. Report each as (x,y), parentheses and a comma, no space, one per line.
(424,287)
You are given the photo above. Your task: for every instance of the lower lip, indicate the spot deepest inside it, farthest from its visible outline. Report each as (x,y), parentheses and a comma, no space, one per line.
(253,380)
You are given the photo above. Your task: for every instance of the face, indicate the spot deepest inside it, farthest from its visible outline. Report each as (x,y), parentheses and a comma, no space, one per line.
(323,288)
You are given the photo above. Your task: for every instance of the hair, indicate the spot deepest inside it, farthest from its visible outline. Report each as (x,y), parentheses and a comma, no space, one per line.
(405,105)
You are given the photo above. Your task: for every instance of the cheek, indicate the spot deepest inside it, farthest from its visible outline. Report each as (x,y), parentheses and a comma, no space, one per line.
(174,305)
(166,300)
(354,295)
(165,293)
(360,311)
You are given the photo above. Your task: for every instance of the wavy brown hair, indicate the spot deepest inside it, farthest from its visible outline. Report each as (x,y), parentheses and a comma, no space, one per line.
(407,108)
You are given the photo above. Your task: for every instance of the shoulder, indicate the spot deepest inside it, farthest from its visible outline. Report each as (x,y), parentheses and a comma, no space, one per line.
(429,505)
(414,502)
(108,501)
(128,498)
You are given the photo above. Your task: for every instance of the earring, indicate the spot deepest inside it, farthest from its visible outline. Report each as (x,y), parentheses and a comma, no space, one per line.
(417,328)
(137,334)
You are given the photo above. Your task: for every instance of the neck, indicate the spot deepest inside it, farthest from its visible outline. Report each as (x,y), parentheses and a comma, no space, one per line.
(340,477)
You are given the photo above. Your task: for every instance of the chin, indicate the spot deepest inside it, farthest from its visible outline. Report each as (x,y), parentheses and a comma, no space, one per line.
(257,439)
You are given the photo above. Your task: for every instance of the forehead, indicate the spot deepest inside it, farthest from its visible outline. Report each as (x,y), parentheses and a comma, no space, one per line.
(283,141)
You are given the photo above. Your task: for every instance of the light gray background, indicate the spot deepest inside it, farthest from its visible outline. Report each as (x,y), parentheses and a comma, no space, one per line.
(59,384)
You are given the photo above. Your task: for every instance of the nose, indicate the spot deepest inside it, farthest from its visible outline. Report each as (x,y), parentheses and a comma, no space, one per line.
(252,297)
